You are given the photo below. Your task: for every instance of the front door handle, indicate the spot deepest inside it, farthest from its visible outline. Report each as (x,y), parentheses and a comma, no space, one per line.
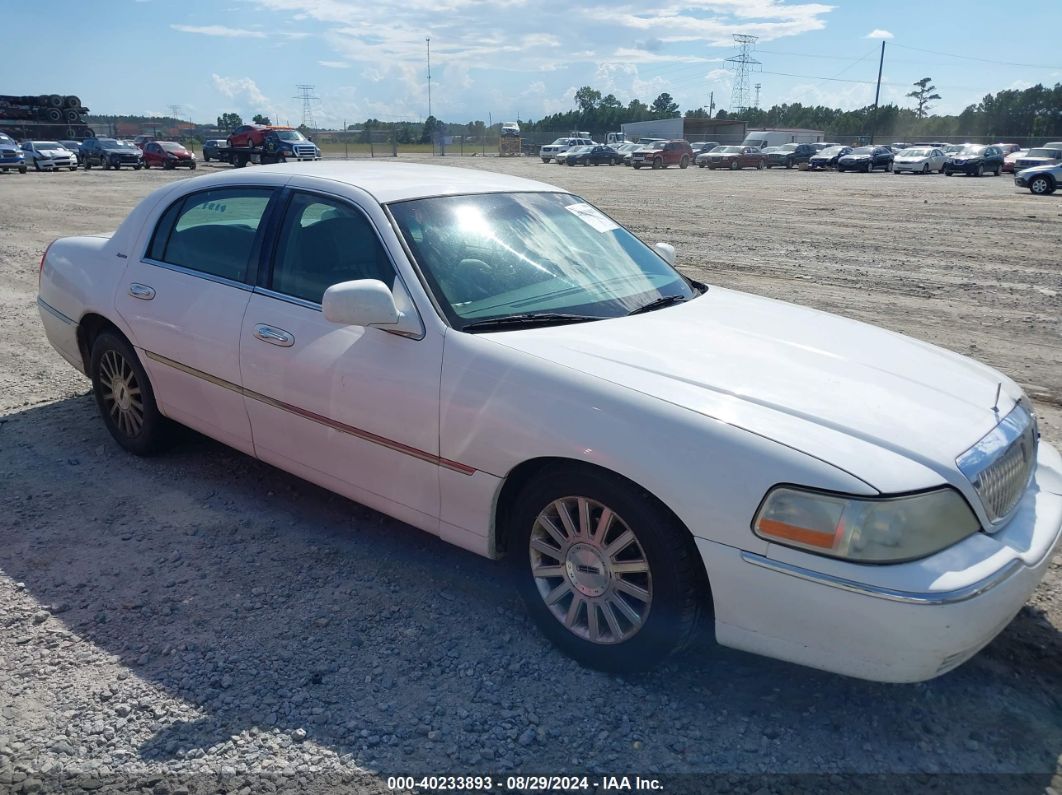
(141,291)
(273,335)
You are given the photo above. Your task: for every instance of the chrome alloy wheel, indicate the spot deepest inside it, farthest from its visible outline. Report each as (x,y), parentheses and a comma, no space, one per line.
(121,393)
(590,570)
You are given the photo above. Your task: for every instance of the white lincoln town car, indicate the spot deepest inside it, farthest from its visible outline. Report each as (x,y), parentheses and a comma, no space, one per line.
(495,361)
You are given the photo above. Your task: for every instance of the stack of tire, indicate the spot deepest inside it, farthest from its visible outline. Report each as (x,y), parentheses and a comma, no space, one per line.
(44,116)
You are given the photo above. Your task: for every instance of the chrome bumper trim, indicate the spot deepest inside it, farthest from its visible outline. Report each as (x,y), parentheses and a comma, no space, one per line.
(890,594)
(51,310)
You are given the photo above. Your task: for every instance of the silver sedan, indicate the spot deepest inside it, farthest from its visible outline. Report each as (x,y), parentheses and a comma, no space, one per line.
(919,160)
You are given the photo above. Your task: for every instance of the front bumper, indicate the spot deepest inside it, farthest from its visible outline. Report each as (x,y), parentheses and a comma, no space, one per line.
(964,168)
(894,623)
(909,166)
(1021,181)
(57,162)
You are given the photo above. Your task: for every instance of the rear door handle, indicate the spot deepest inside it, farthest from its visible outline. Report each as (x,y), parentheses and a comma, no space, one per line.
(273,335)
(141,291)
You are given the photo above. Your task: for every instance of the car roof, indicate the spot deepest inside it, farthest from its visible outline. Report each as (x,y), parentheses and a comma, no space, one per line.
(389,182)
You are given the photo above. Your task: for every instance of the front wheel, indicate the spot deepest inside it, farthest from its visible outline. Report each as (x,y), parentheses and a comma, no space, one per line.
(608,574)
(1041,185)
(192,167)
(998,171)
(658,163)
(637,166)
(545,159)
(788,163)
(734,165)
(700,165)
(925,169)
(125,398)
(684,163)
(759,166)
(72,168)
(980,172)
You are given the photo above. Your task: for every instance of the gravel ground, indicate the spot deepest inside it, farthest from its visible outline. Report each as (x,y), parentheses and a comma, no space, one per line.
(202,622)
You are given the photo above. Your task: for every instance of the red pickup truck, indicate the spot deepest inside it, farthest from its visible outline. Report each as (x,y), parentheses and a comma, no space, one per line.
(662,154)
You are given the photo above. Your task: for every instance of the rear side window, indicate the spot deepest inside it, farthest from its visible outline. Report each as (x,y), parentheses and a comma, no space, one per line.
(212,232)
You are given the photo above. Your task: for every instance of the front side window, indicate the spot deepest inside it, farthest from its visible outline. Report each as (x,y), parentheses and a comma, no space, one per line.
(212,232)
(493,256)
(325,242)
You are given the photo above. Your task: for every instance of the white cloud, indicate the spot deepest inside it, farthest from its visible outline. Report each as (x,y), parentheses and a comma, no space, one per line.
(878,33)
(335,64)
(239,88)
(220,30)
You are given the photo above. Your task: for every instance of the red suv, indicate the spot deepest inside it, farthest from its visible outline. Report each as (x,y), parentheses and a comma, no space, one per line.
(663,154)
(168,154)
(252,134)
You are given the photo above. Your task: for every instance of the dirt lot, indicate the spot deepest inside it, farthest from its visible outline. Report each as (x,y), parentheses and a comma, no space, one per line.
(203,622)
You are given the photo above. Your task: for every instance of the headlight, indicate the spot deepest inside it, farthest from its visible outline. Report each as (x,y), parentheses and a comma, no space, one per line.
(874,530)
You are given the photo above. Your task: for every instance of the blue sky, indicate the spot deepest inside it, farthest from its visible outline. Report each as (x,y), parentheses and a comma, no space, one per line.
(504,58)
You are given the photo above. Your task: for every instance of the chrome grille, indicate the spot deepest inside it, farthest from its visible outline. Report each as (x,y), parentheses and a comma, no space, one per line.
(999,465)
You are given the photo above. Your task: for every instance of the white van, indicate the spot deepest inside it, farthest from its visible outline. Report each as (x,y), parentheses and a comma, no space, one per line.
(761,139)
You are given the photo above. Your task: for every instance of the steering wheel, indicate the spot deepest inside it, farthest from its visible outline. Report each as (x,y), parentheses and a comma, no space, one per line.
(476,278)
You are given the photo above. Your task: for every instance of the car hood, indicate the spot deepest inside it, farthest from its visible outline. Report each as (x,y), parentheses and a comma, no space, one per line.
(889,409)
(1049,166)
(118,150)
(856,157)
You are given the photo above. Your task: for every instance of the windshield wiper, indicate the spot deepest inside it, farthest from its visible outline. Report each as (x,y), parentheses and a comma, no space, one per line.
(528,319)
(659,303)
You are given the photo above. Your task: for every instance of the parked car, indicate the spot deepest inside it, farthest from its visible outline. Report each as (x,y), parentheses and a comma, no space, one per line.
(111,153)
(168,155)
(1053,145)
(11,156)
(951,149)
(827,158)
(699,147)
(75,147)
(1041,180)
(1007,148)
(1040,156)
(594,156)
(919,160)
(141,141)
(734,157)
(550,151)
(48,156)
(789,155)
(562,157)
(626,150)
(700,467)
(975,160)
(214,149)
(510,129)
(866,159)
(1012,158)
(661,155)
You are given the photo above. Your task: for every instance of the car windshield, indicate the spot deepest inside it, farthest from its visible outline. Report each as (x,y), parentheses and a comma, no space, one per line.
(832,150)
(47,145)
(123,145)
(169,146)
(915,153)
(494,256)
(560,142)
(770,149)
(727,149)
(863,150)
(788,147)
(953,148)
(577,149)
(972,149)
(1055,153)
(290,135)
(6,139)
(106,142)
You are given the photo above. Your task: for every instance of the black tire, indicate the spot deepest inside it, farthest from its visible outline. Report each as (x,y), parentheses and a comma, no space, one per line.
(980,172)
(948,172)
(1041,185)
(72,168)
(545,159)
(658,163)
(700,165)
(106,164)
(137,167)
(675,576)
(998,171)
(788,163)
(759,166)
(685,162)
(22,169)
(925,168)
(113,356)
(192,167)
(88,164)
(637,166)
(734,165)
(36,165)
(868,168)
(117,166)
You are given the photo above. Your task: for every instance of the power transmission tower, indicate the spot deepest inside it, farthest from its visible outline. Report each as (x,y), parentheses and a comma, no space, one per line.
(742,64)
(758,86)
(175,111)
(307,97)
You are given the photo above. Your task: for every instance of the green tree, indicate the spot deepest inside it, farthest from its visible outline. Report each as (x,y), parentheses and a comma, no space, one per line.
(587,99)
(431,127)
(923,95)
(229,121)
(258,118)
(609,102)
(665,106)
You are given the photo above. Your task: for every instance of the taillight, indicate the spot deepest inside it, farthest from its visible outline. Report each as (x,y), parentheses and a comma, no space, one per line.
(44,256)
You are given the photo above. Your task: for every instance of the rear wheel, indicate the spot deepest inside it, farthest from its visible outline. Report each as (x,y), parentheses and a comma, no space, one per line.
(125,398)
(607,573)
(980,172)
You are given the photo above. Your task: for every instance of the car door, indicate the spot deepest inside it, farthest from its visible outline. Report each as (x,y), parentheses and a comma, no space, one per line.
(184,302)
(351,408)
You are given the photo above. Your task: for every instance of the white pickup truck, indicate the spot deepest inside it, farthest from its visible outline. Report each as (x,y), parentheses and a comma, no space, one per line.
(550,151)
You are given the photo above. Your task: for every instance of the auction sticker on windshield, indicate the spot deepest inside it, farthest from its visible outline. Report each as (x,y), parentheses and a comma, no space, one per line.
(593,216)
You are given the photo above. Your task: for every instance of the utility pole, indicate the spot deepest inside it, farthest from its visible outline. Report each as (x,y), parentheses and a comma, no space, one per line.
(427,40)
(742,64)
(757,86)
(711,104)
(877,94)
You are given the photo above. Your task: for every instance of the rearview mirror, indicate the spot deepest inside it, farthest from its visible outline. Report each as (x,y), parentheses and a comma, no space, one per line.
(666,251)
(369,302)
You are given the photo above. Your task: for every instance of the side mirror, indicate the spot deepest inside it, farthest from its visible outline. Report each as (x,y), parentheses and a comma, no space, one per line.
(667,252)
(369,302)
